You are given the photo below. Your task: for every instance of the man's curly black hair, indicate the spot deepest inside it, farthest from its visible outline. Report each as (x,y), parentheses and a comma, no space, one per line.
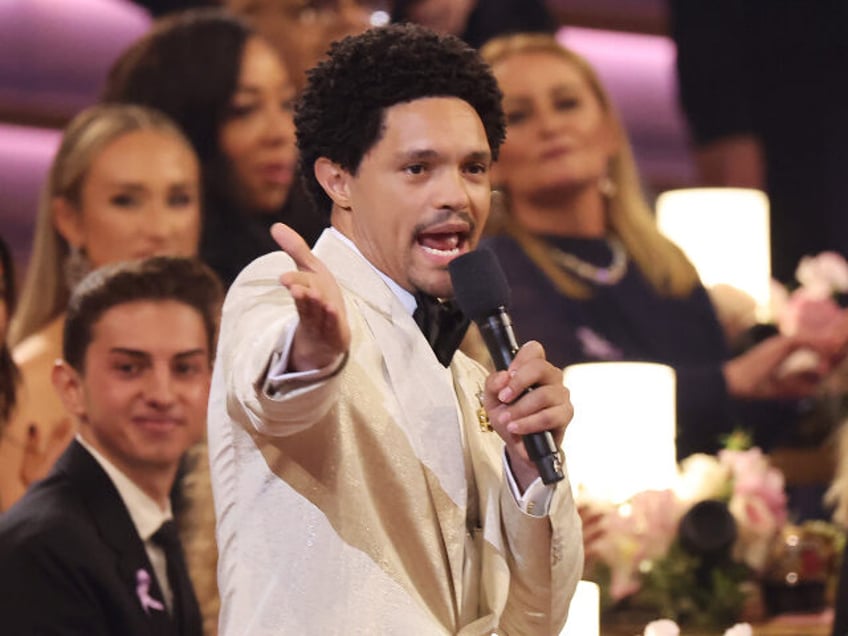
(340,114)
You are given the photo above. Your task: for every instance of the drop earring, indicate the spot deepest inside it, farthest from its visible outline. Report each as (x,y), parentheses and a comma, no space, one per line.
(76,266)
(607,186)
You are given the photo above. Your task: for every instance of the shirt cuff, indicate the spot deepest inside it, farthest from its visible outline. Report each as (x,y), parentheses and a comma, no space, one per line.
(276,376)
(536,500)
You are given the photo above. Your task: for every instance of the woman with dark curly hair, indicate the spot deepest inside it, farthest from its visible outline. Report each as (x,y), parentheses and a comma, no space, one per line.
(230,93)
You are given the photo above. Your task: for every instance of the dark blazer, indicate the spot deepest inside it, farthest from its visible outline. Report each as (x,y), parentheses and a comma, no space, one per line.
(70,557)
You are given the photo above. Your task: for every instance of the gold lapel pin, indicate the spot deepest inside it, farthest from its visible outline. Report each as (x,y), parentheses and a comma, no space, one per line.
(483,417)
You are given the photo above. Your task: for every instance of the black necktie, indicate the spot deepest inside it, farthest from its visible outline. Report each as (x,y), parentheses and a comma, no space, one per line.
(185,612)
(442,324)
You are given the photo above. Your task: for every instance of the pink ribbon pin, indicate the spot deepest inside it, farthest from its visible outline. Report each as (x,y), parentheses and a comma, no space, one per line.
(142,589)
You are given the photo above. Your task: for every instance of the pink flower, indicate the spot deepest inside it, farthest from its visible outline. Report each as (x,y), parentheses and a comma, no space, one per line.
(758,503)
(754,477)
(757,527)
(807,314)
(638,531)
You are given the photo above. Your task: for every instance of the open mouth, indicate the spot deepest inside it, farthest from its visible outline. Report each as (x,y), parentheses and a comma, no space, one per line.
(442,244)
(444,241)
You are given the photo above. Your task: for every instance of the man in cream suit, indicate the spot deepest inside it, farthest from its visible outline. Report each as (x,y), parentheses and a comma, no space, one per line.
(357,487)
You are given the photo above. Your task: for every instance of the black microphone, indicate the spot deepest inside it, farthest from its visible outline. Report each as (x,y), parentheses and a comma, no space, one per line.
(482,293)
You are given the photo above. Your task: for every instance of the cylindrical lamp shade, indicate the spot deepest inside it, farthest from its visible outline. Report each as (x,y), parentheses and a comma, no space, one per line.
(584,613)
(725,233)
(621,439)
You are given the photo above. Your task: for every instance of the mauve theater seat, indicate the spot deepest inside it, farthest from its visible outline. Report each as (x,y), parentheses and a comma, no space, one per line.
(54,55)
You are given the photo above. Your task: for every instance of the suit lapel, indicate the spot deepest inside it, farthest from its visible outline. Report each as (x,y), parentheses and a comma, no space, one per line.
(109,514)
(424,390)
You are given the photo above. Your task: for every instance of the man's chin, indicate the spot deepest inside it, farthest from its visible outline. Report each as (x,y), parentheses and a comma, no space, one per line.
(441,289)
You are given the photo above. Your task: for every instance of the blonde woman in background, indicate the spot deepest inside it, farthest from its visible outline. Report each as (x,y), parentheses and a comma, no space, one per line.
(592,277)
(124,184)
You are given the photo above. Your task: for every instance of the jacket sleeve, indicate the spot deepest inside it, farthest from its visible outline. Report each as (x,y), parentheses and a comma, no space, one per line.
(258,317)
(545,559)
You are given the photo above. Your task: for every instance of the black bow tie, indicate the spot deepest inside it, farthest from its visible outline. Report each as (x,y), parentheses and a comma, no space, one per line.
(442,323)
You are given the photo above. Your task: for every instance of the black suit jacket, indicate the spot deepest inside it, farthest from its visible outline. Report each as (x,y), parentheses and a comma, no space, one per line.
(70,557)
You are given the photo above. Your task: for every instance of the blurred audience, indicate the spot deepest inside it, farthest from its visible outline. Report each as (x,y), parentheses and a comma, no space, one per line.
(592,277)
(239,120)
(477,21)
(158,8)
(302,30)
(92,549)
(733,61)
(9,376)
(124,184)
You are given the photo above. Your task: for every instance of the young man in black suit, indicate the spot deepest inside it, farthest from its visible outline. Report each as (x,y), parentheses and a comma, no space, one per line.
(90,549)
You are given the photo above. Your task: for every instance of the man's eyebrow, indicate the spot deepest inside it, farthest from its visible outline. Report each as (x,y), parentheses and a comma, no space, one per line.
(480,155)
(417,154)
(191,353)
(126,351)
(429,154)
(137,353)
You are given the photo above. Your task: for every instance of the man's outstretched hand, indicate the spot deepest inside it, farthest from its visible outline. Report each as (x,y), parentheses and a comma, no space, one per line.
(323,333)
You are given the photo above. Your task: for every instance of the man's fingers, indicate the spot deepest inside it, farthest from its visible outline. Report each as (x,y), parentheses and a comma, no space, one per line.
(293,244)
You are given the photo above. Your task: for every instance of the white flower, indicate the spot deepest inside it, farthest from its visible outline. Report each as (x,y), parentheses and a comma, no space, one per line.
(740,629)
(702,477)
(824,274)
(664,627)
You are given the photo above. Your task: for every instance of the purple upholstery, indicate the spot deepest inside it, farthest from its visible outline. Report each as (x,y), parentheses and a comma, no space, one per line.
(54,54)
(638,72)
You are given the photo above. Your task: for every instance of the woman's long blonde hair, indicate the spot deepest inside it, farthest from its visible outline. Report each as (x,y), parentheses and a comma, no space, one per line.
(45,292)
(628,215)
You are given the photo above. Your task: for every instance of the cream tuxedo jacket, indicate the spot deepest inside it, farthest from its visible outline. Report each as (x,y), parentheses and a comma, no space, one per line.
(369,502)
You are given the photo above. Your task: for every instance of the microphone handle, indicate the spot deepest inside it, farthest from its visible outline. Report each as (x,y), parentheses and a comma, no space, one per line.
(500,341)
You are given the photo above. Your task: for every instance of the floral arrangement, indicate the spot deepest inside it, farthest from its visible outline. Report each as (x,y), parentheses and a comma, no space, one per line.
(812,307)
(642,555)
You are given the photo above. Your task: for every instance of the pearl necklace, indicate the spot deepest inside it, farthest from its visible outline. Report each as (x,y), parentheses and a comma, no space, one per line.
(609,275)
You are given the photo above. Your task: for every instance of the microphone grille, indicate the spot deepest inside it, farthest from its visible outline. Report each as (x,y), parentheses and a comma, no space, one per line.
(479,284)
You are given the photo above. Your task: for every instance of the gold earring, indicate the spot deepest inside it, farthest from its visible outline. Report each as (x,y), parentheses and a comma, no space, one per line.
(607,186)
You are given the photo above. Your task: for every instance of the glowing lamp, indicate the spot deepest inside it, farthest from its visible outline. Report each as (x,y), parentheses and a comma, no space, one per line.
(584,613)
(725,233)
(621,439)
